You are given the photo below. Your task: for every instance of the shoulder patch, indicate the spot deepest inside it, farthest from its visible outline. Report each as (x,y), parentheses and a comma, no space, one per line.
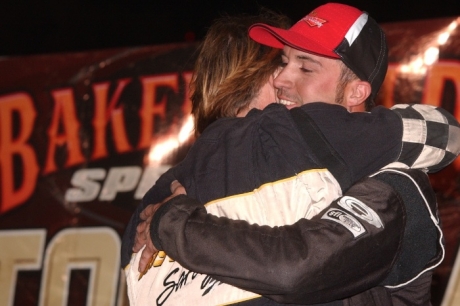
(345,219)
(360,210)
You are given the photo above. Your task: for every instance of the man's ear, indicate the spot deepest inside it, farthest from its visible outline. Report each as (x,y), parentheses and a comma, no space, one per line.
(356,93)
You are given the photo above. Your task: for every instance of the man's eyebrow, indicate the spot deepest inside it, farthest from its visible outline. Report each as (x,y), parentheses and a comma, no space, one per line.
(304,57)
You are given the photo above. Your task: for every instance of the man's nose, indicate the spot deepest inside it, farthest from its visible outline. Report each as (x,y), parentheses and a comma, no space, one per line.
(281,80)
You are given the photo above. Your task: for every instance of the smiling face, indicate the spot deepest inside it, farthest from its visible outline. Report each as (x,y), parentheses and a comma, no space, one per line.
(307,78)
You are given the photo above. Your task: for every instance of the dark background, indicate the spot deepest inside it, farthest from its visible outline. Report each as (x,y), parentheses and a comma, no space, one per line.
(36,27)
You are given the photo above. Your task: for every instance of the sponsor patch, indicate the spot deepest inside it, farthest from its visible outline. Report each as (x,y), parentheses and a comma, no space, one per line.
(361,210)
(345,219)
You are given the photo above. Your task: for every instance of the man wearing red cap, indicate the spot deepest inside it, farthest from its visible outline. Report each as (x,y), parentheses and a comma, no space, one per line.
(337,256)
(321,46)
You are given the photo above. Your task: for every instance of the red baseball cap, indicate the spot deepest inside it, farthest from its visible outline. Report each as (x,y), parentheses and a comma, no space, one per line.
(338,31)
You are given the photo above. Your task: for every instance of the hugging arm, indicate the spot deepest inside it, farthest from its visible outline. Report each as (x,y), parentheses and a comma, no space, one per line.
(156,194)
(334,255)
(403,120)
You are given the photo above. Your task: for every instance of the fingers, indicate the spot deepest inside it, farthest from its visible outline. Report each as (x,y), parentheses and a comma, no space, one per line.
(140,239)
(177,188)
(143,228)
(147,212)
(147,258)
(174,185)
(143,231)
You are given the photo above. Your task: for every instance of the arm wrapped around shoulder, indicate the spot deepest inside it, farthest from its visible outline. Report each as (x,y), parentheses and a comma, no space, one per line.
(431,136)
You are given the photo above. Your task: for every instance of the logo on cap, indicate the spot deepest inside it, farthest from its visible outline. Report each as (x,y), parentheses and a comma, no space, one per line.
(314,21)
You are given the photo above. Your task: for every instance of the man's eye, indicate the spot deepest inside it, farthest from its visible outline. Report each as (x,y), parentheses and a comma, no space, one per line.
(306,70)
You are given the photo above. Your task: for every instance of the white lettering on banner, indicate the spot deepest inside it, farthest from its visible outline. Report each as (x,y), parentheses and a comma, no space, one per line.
(86,185)
(21,250)
(120,179)
(88,188)
(96,249)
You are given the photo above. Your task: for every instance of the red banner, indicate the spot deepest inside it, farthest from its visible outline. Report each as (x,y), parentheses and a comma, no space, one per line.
(84,135)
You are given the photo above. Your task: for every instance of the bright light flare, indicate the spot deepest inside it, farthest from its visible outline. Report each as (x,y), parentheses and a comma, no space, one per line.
(443,38)
(163,148)
(419,65)
(187,130)
(453,25)
(431,56)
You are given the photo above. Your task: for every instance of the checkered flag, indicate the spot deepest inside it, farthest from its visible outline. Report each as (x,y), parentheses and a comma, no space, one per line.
(431,136)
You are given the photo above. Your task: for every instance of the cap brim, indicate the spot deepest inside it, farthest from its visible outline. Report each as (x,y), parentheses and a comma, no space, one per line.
(278,38)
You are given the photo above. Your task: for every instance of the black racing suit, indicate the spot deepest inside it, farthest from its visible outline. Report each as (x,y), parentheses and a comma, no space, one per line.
(308,261)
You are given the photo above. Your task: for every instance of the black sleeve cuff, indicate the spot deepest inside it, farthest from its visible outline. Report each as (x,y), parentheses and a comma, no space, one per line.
(164,209)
